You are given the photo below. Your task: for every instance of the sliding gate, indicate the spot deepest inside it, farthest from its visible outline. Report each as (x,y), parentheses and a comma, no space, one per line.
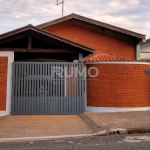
(47,88)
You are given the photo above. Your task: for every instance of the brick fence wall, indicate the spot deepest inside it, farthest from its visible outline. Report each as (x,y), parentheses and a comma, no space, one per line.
(119,85)
(3,82)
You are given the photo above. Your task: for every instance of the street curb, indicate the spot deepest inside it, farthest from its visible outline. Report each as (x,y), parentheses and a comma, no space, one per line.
(120,131)
(23,139)
(117,131)
(137,130)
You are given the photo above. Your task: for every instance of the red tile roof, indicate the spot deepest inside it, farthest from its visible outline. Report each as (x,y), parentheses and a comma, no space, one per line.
(102,57)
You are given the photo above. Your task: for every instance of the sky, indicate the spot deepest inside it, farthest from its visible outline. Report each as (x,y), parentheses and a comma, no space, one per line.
(133,15)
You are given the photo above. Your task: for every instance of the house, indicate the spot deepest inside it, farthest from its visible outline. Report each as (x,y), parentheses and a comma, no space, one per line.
(145,50)
(71,65)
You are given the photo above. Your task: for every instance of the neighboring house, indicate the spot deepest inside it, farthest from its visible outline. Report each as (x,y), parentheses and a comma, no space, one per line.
(31,57)
(145,50)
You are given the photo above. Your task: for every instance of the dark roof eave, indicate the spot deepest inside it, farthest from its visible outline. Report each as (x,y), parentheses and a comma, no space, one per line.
(31,27)
(92,22)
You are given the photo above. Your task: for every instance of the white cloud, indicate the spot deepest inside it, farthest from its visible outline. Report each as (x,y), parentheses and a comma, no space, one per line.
(130,14)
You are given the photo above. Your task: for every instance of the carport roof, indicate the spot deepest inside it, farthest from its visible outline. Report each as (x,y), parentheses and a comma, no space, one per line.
(30,27)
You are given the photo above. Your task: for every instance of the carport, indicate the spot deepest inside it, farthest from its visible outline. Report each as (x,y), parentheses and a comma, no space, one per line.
(37,88)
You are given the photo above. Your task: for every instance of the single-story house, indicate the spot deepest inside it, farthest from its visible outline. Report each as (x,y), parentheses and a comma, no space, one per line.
(71,65)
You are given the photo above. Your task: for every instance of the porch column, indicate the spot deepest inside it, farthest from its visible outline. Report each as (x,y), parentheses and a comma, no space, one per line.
(6,99)
(80,57)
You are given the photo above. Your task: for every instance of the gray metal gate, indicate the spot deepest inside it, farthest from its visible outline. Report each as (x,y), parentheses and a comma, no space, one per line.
(47,88)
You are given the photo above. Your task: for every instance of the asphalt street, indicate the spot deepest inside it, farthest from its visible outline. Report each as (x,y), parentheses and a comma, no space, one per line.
(117,142)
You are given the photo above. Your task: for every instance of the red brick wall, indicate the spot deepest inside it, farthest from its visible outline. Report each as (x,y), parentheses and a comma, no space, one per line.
(119,86)
(101,42)
(3,82)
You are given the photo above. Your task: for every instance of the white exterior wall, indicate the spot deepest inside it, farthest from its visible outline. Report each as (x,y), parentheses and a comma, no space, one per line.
(145,51)
(10,56)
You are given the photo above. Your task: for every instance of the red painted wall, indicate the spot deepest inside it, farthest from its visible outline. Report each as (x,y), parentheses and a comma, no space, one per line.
(119,85)
(3,82)
(101,42)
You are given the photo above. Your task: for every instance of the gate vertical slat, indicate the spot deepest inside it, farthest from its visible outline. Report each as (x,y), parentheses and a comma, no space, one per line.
(35,90)
(16,87)
(21,90)
(31,100)
(51,93)
(30,88)
(82,101)
(70,91)
(82,81)
(57,95)
(43,84)
(55,91)
(45,95)
(65,89)
(60,91)
(40,78)
(38,91)
(72,88)
(75,92)
(45,89)
(52,90)
(83,91)
(23,103)
(72,104)
(13,89)
(46,78)
(80,90)
(68,87)
(48,94)
(56,107)
(26,94)
(43,101)
(62,94)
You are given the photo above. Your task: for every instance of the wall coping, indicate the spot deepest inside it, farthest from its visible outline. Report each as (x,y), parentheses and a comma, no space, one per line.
(114,109)
(120,62)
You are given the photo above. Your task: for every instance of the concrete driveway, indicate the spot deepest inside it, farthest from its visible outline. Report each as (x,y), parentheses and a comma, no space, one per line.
(42,125)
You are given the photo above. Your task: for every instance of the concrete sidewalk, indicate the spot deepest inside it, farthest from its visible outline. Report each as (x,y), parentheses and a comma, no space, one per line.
(125,120)
(74,125)
(42,125)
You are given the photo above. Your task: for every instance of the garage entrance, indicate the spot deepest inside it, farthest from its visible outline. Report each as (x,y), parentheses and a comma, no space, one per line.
(47,88)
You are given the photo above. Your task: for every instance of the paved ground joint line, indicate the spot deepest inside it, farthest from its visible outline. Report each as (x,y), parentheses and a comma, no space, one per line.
(91,124)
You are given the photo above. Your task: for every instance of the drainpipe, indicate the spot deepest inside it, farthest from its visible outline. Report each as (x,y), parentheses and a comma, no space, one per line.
(138,47)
